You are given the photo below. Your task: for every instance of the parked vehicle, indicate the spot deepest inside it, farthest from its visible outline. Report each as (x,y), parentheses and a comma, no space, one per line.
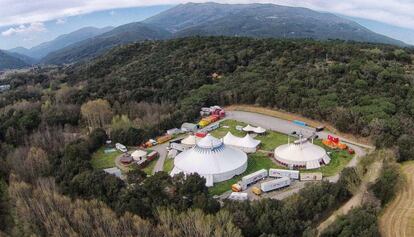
(256,191)
(311,176)
(164,138)
(152,155)
(300,123)
(236,196)
(275,184)
(121,147)
(320,128)
(254,177)
(236,188)
(278,173)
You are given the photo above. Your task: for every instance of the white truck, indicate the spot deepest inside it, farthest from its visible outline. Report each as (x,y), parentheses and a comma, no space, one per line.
(275,184)
(278,173)
(253,177)
(236,196)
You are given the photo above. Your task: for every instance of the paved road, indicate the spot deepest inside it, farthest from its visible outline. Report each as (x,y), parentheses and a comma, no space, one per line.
(162,150)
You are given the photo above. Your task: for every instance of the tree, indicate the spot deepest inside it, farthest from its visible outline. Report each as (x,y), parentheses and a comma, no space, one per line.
(97,138)
(97,113)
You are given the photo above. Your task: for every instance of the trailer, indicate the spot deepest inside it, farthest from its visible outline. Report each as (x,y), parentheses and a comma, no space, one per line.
(278,173)
(121,147)
(311,176)
(275,184)
(238,196)
(152,155)
(164,138)
(254,177)
(300,123)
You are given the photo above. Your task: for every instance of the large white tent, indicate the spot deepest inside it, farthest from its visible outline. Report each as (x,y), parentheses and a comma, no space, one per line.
(302,154)
(211,159)
(246,143)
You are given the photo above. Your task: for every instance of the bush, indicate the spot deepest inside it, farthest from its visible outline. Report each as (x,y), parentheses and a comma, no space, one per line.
(97,138)
(387,184)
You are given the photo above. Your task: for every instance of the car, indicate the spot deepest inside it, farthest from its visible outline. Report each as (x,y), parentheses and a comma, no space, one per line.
(319,128)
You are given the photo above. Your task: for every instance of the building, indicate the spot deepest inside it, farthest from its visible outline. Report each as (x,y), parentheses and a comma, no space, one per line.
(211,159)
(301,154)
(246,143)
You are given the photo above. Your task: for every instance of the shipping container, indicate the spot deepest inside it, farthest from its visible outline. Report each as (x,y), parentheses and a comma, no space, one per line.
(236,196)
(278,173)
(275,184)
(253,177)
(311,176)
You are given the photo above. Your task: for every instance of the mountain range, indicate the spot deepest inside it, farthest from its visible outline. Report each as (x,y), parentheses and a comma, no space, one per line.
(206,19)
(60,42)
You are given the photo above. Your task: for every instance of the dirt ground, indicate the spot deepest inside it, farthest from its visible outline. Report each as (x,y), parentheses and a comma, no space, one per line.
(398,217)
(290,116)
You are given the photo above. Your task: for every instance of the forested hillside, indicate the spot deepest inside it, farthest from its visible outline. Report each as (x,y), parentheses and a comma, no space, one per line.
(53,120)
(364,89)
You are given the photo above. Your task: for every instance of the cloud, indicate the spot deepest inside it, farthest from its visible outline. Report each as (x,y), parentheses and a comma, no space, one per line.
(24,29)
(393,12)
(60,21)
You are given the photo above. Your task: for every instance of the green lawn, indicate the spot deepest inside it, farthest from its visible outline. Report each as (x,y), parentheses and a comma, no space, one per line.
(102,160)
(150,167)
(271,140)
(222,131)
(256,161)
(168,165)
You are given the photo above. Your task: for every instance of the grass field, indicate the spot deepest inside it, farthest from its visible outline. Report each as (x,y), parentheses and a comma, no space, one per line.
(168,165)
(256,161)
(102,160)
(222,131)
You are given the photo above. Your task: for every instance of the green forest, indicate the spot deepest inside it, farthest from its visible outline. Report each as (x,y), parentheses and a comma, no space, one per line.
(54,118)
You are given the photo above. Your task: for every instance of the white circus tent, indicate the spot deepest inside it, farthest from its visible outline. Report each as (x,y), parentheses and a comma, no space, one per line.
(211,159)
(248,128)
(259,130)
(190,140)
(301,154)
(246,143)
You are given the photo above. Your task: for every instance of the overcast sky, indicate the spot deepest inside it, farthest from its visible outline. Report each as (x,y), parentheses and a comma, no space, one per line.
(20,17)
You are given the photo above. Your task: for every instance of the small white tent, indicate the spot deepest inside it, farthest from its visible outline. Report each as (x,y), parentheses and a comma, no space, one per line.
(246,144)
(259,130)
(248,128)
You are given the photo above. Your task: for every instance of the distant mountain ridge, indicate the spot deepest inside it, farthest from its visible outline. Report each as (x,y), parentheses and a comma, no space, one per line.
(261,21)
(11,61)
(95,46)
(214,19)
(60,42)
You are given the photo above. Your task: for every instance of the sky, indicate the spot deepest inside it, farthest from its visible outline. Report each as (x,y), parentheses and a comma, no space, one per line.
(30,22)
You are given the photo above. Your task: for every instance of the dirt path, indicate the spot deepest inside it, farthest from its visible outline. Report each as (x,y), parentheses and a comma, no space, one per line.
(357,199)
(398,217)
